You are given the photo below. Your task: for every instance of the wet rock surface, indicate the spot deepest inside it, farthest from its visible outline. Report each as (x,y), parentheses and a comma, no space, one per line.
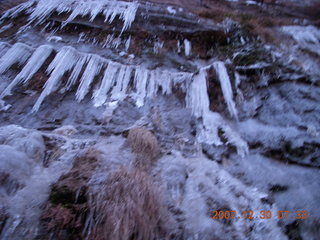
(58,164)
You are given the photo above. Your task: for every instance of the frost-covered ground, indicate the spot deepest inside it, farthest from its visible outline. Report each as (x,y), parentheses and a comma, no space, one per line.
(225,90)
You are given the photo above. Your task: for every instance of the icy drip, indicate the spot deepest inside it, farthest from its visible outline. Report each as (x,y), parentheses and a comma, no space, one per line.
(198,100)
(126,11)
(34,64)
(76,71)
(18,54)
(226,87)
(14,12)
(64,61)
(110,76)
(120,89)
(109,8)
(43,10)
(140,83)
(93,69)
(187,47)
(4,48)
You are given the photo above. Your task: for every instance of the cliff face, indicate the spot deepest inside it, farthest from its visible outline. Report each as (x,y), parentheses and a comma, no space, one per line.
(174,109)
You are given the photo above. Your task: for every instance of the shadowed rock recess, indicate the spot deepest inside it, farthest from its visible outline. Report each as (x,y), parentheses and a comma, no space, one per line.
(159,120)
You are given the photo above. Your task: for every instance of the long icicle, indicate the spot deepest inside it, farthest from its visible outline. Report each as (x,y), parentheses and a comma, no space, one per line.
(226,87)
(120,89)
(110,76)
(35,62)
(140,82)
(64,61)
(93,69)
(19,53)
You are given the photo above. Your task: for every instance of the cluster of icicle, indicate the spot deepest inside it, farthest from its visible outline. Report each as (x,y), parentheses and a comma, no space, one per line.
(40,10)
(115,84)
(198,100)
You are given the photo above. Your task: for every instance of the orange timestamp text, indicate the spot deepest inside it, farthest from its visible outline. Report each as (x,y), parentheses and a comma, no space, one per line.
(301,214)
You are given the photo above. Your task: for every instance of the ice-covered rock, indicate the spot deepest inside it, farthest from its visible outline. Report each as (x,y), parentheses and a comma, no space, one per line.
(27,141)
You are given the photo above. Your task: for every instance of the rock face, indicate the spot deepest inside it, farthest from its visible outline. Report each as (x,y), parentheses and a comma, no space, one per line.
(184,110)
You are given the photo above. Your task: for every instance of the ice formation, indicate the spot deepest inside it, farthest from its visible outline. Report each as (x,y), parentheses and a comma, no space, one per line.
(115,84)
(226,87)
(40,10)
(36,61)
(308,37)
(4,48)
(187,47)
(198,100)
(18,54)
(64,61)
(93,68)
(100,96)
(303,34)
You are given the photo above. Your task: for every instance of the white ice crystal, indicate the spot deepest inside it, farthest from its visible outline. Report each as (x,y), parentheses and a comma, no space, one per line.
(76,71)
(93,69)
(34,64)
(110,76)
(18,54)
(198,100)
(40,10)
(197,97)
(140,83)
(64,61)
(120,89)
(226,87)
(187,47)
(4,48)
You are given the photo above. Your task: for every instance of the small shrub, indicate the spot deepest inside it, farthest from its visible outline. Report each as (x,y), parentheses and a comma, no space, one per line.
(127,207)
(145,145)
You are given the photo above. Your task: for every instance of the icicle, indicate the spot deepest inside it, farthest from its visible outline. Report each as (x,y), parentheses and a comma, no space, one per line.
(43,10)
(14,12)
(197,97)
(164,80)
(153,83)
(140,82)
(35,62)
(119,91)
(226,87)
(128,43)
(236,140)
(129,15)
(100,96)
(237,79)
(19,53)
(187,47)
(6,27)
(81,9)
(76,71)
(64,61)
(93,69)
(96,8)
(4,48)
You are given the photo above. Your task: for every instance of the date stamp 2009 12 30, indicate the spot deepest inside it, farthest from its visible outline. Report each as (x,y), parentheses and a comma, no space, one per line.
(301,214)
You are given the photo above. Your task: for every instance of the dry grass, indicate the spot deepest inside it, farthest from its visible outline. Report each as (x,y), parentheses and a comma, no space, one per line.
(145,145)
(65,213)
(128,207)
